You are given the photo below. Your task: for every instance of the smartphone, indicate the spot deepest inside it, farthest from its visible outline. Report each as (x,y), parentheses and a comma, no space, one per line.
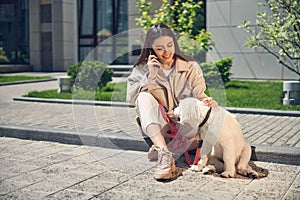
(151,51)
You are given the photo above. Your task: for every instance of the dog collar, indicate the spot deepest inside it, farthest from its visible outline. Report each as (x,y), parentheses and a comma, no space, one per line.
(206,118)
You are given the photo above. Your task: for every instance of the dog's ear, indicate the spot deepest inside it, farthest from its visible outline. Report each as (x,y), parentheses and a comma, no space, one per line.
(185,110)
(199,109)
(177,111)
(202,108)
(200,103)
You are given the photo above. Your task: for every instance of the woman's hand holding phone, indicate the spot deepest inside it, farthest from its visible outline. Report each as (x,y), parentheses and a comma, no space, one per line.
(153,65)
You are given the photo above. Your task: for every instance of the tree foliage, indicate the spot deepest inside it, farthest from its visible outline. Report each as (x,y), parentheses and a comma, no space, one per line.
(278,32)
(181,17)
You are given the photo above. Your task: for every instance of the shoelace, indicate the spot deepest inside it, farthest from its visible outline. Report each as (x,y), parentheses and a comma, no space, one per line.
(163,160)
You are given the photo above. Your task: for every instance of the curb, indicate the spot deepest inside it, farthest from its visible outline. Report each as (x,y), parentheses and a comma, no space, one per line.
(79,102)
(283,155)
(124,104)
(71,136)
(264,112)
(29,81)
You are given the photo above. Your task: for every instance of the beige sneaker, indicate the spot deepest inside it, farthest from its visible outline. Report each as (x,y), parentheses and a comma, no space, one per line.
(165,165)
(153,153)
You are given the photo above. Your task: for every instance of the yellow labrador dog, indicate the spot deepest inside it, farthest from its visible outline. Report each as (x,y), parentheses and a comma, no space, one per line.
(222,138)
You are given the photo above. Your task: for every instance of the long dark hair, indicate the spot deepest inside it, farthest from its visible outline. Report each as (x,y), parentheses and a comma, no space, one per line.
(153,33)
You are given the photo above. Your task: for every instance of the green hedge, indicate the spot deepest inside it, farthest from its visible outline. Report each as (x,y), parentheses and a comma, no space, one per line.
(213,70)
(89,75)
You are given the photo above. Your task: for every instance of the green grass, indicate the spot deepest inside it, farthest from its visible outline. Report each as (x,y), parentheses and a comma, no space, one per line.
(111,92)
(6,79)
(243,94)
(48,94)
(256,94)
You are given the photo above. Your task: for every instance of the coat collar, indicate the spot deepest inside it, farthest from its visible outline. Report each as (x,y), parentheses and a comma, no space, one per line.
(181,65)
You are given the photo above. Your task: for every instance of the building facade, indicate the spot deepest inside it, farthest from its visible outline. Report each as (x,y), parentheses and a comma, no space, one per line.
(223,17)
(51,35)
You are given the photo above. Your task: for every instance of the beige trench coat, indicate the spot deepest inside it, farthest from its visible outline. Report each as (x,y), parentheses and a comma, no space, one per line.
(185,81)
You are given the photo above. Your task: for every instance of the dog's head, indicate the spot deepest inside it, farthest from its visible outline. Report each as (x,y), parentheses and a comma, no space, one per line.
(191,110)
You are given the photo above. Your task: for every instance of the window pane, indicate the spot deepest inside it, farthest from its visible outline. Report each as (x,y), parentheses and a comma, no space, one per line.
(84,52)
(46,16)
(86,19)
(23,32)
(111,18)
(122,16)
(7,42)
(104,16)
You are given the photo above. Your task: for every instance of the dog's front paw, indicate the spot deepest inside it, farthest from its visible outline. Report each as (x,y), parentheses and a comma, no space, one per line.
(209,169)
(205,170)
(228,174)
(196,168)
(248,173)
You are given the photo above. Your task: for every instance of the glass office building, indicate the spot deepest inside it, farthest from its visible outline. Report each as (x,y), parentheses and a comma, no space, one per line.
(14,32)
(51,35)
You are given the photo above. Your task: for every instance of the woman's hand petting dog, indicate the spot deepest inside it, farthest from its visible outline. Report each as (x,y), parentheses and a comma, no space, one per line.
(208,101)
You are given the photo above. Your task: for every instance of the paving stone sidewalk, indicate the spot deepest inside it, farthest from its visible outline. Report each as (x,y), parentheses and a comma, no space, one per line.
(49,170)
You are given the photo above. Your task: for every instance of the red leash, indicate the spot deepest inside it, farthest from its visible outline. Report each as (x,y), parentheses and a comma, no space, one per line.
(180,141)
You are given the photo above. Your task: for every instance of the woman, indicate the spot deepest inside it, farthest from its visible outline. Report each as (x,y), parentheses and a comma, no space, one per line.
(163,75)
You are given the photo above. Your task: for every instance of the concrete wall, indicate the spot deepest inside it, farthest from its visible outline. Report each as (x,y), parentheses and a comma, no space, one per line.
(134,32)
(65,37)
(223,17)
(35,34)
(53,42)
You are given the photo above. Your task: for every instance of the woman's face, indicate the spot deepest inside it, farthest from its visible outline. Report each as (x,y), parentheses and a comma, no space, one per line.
(164,49)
